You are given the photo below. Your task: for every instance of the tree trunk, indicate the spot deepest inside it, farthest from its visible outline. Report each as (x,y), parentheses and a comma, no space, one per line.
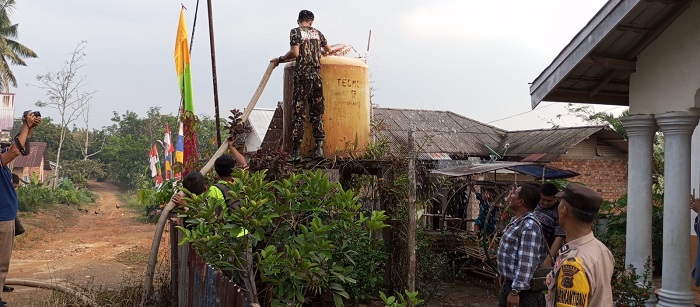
(86,116)
(58,156)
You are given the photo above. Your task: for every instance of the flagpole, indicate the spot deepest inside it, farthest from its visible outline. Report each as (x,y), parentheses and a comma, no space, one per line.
(213,73)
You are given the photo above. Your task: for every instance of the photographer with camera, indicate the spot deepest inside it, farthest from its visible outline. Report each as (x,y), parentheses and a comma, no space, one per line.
(8,194)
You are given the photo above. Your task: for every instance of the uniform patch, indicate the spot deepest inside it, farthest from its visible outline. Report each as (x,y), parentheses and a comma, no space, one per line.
(568,272)
(565,248)
(573,288)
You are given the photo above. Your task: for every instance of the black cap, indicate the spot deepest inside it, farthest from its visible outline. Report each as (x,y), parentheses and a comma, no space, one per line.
(581,197)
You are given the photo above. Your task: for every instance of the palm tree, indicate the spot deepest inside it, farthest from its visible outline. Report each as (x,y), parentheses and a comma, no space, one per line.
(11,51)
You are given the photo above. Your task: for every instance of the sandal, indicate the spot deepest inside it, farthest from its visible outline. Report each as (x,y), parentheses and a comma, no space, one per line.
(7,289)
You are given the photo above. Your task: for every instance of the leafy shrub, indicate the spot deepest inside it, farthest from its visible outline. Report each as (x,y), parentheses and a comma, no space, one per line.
(306,233)
(410,300)
(34,197)
(150,198)
(68,194)
(369,258)
(614,215)
(631,289)
(432,270)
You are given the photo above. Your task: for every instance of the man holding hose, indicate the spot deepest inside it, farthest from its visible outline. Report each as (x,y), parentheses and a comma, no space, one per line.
(307,45)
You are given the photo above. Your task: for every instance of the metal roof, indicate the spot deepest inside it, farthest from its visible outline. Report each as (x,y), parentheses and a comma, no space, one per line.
(595,67)
(525,168)
(260,119)
(435,132)
(554,142)
(36,154)
(440,135)
(273,135)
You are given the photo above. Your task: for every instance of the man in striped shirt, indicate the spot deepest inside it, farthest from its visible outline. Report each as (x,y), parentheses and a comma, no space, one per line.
(521,251)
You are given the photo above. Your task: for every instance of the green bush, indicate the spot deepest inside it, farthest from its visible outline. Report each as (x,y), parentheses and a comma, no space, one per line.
(66,193)
(432,272)
(369,257)
(306,232)
(410,300)
(630,288)
(150,199)
(614,237)
(34,197)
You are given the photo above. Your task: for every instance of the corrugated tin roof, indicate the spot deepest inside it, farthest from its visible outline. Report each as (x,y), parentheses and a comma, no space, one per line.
(273,136)
(550,143)
(595,67)
(34,158)
(260,119)
(435,132)
(440,134)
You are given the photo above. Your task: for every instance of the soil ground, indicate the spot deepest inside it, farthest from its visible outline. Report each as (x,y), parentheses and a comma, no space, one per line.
(101,246)
(104,245)
(472,293)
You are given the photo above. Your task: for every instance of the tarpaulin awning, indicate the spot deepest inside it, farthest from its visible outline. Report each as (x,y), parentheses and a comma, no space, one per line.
(525,168)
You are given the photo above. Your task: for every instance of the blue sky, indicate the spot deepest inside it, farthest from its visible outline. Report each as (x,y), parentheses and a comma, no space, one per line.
(474,58)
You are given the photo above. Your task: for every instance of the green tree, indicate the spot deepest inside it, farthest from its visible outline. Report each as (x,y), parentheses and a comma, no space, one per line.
(13,52)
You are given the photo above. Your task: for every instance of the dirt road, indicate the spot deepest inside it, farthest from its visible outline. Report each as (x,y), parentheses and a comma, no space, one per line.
(100,248)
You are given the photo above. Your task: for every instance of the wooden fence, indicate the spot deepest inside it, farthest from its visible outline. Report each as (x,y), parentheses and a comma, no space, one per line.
(197,284)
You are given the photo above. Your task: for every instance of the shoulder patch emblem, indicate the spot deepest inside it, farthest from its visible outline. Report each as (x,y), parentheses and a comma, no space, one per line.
(568,271)
(573,288)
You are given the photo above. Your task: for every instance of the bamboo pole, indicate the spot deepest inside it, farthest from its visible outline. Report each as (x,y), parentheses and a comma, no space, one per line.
(153,256)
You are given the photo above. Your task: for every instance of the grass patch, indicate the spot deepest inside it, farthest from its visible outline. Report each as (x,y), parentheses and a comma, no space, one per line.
(129,200)
(132,256)
(128,292)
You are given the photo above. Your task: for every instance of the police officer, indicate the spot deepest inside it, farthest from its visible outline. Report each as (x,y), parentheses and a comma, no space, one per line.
(584,267)
(307,44)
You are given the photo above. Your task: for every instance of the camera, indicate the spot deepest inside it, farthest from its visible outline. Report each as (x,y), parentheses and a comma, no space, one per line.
(36,114)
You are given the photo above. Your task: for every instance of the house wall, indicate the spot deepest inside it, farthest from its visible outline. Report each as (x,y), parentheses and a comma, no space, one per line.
(603,168)
(607,177)
(29,172)
(668,70)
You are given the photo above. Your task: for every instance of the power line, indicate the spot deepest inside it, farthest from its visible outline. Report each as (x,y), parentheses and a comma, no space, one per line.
(498,120)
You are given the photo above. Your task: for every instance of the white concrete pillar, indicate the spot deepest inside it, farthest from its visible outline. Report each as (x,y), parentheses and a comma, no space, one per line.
(640,132)
(675,281)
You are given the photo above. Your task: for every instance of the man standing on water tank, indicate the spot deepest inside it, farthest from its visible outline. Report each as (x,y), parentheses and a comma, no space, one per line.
(307,44)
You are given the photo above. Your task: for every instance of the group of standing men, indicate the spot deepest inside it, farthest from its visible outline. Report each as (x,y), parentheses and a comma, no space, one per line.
(551,230)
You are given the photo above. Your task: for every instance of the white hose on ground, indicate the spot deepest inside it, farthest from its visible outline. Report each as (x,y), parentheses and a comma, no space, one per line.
(51,286)
(153,256)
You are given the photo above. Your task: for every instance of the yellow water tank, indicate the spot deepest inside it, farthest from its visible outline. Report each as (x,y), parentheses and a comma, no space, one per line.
(346,119)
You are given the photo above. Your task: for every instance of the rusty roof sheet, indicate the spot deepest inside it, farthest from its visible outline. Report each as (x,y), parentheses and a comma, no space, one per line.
(35,156)
(435,132)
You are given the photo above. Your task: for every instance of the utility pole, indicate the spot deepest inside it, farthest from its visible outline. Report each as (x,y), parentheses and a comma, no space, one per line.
(213,73)
(411,212)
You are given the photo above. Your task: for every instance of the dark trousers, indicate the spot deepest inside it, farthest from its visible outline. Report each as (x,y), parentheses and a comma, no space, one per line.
(527,298)
(307,95)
